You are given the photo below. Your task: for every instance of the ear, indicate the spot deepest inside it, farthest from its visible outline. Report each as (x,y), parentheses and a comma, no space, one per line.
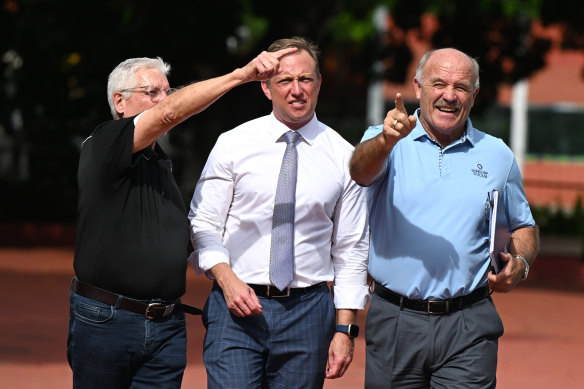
(266,89)
(417,88)
(474,96)
(119,103)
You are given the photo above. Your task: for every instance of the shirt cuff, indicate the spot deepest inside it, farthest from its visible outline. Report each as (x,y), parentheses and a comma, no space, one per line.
(203,260)
(351,297)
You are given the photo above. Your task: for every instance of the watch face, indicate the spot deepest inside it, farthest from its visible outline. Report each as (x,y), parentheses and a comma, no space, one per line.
(353,330)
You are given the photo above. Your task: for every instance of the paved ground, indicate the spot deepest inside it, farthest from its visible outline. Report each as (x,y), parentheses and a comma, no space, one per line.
(543,345)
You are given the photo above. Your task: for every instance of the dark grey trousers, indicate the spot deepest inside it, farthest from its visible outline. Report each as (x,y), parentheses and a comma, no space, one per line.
(411,349)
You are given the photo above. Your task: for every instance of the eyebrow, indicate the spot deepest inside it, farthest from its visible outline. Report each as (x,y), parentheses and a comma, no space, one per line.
(288,75)
(458,83)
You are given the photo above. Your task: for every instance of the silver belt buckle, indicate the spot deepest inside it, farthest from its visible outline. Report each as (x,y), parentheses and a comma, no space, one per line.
(167,311)
(446,304)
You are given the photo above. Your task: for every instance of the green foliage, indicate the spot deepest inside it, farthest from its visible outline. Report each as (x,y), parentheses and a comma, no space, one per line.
(56,56)
(557,221)
(512,8)
(347,27)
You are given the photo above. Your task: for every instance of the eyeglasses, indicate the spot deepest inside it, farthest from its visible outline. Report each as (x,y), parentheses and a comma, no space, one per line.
(155,94)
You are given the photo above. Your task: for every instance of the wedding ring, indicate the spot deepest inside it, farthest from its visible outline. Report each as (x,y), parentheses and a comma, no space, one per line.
(394,122)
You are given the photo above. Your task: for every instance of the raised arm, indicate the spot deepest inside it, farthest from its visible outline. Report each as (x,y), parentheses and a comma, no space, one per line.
(195,97)
(369,157)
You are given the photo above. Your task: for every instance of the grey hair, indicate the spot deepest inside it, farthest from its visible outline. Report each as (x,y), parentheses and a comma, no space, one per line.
(122,77)
(428,54)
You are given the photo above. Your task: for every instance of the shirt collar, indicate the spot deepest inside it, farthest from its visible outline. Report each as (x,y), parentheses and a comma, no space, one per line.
(468,135)
(308,132)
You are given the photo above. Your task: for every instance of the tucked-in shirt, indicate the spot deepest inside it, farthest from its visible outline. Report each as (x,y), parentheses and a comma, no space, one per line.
(428,216)
(132,230)
(232,207)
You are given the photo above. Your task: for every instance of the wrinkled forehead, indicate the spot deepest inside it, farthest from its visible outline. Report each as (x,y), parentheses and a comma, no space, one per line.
(450,60)
(299,60)
(151,77)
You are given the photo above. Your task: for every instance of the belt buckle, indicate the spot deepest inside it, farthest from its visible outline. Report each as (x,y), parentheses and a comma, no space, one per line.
(287,294)
(445,303)
(167,311)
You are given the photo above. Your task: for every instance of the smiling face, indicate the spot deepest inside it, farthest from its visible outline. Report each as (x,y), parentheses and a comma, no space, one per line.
(294,90)
(446,93)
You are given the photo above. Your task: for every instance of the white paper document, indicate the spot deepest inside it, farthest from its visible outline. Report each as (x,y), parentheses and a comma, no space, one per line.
(499,234)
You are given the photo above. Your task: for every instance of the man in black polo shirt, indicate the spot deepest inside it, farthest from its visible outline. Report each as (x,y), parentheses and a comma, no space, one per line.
(127,326)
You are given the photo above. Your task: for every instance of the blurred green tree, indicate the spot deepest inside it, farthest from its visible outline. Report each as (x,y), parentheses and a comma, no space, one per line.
(56,56)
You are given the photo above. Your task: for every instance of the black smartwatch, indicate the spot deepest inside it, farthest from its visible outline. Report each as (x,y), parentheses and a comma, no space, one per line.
(352,330)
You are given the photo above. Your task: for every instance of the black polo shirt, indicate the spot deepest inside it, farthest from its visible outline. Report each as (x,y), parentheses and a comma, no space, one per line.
(132,228)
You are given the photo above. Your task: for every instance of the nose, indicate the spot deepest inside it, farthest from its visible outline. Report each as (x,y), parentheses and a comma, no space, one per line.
(296,89)
(449,94)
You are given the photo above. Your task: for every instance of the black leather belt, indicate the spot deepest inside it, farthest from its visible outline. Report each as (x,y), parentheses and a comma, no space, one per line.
(272,291)
(431,306)
(150,310)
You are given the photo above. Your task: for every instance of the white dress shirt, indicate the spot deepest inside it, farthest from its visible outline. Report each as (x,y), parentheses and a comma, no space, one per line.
(231,210)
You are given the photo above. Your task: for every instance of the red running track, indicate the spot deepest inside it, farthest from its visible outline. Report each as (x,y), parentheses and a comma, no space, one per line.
(543,345)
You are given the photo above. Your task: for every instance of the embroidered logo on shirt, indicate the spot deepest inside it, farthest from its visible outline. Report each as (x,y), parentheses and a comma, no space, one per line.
(479,172)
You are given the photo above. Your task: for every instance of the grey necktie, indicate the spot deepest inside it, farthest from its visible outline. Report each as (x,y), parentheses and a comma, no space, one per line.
(282,249)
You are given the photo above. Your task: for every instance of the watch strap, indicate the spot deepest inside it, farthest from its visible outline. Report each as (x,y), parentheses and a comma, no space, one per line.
(352,330)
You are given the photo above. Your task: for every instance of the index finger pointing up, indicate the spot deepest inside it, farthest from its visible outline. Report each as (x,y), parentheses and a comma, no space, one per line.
(280,53)
(399,103)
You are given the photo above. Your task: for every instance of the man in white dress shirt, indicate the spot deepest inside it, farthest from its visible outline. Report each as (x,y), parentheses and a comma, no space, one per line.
(258,335)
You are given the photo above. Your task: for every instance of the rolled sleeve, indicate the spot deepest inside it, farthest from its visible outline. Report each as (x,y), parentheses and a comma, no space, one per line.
(209,252)
(350,248)
(208,212)
(351,297)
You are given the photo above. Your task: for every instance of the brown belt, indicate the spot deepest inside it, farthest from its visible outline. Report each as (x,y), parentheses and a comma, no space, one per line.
(431,306)
(150,310)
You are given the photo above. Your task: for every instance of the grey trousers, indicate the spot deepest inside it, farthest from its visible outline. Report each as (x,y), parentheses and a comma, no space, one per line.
(412,349)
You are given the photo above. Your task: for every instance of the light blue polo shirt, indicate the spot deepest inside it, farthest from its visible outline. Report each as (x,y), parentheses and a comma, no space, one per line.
(429,226)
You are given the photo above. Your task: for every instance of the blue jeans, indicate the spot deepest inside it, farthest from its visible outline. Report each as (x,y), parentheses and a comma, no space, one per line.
(113,348)
(285,347)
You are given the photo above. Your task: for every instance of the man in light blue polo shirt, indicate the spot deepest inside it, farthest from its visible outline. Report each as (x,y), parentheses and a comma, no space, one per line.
(431,321)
